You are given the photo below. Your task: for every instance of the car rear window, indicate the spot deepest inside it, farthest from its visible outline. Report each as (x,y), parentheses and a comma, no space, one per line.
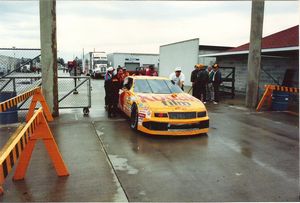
(156,86)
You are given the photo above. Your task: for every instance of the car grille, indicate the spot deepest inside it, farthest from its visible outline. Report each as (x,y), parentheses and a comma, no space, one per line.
(175,127)
(182,115)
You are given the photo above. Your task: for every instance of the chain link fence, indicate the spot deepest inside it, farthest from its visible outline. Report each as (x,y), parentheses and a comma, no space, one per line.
(20,71)
(19,60)
(73,92)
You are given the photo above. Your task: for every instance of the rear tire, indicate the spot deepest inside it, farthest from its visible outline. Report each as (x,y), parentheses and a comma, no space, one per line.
(134,117)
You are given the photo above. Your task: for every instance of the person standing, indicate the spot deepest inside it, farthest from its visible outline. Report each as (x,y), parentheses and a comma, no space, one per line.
(108,86)
(125,72)
(120,75)
(193,80)
(150,71)
(202,80)
(178,77)
(210,89)
(116,85)
(216,81)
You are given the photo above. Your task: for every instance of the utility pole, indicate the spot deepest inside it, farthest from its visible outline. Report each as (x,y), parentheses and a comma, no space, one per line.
(254,58)
(49,53)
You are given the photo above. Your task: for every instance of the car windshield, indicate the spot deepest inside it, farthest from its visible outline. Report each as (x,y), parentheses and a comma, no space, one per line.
(155,86)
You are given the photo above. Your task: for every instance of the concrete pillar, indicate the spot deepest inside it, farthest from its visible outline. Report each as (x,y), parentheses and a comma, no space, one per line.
(49,53)
(254,58)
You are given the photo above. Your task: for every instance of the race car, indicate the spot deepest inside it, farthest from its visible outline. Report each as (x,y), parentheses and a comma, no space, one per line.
(157,106)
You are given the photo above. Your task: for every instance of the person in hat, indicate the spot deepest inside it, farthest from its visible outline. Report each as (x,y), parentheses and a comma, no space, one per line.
(202,80)
(178,77)
(210,88)
(193,80)
(150,71)
(125,73)
(216,81)
(107,85)
(116,85)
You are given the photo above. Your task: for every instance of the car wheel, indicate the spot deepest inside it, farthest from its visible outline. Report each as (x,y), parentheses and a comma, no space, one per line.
(134,117)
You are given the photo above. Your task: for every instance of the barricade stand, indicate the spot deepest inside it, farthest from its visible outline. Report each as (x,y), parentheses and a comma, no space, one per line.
(22,144)
(37,96)
(267,96)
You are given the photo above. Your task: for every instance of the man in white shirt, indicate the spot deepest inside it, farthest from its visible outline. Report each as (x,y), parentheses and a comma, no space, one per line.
(178,77)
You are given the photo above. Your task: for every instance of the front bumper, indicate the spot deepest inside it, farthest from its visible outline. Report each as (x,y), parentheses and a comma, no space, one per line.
(174,128)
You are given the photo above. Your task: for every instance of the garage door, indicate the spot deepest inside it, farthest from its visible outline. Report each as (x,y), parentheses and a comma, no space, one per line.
(132,66)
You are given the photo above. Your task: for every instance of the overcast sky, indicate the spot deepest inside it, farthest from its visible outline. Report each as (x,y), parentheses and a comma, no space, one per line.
(139,26)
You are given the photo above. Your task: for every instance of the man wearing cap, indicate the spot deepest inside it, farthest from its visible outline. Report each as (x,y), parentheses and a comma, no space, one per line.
(193,80)
(202,80)
(125,73)
(150,71)
(216,81)
(210,88)
(178,77)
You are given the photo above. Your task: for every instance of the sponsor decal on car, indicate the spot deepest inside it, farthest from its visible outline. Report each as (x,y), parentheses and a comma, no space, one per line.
(146,112)
(169,100)
(141,115)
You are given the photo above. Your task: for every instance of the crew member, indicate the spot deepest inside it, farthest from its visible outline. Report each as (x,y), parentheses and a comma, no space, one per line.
(216,81)
(120,75)
(193,80)
(150,71)
(178,77)
(125,72)
(202,80)
(107,85)
(210,88)
(116,85)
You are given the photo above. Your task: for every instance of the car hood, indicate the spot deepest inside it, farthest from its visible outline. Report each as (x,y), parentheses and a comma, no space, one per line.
(170,102)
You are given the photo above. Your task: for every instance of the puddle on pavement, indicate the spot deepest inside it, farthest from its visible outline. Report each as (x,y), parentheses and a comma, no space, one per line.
(121,164)
(99,133)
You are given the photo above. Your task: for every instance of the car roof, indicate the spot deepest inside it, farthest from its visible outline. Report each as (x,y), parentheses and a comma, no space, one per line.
(149,77)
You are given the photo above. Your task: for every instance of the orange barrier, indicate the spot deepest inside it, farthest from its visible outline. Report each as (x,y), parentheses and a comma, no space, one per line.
(22,143)
(267,96)
(37,96)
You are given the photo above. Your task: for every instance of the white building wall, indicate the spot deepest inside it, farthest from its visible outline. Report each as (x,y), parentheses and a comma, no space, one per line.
(183,54)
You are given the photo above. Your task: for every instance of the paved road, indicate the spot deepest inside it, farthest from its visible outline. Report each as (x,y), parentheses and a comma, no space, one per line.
(246,156)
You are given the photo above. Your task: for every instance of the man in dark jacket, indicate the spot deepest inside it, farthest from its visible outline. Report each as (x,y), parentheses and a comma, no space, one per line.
(116,85)
(107,85)
(202,80)
(195,90)
(216,81)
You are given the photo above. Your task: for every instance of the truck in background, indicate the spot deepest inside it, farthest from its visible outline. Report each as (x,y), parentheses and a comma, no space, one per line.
(95,64)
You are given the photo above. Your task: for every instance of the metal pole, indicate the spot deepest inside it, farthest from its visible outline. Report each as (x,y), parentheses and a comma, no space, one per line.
(254,58)
(49,54)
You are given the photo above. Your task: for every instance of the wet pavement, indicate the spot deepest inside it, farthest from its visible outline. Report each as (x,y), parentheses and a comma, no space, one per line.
(246,156)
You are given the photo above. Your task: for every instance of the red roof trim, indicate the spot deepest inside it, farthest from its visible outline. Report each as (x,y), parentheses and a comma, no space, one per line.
(284,38)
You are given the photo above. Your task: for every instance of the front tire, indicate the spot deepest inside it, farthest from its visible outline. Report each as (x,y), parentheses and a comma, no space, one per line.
(134,117)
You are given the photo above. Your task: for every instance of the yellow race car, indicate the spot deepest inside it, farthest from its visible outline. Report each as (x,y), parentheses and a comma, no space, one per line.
(157,106)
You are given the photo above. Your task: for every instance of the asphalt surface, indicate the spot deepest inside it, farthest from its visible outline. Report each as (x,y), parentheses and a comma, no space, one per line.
(246,156)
